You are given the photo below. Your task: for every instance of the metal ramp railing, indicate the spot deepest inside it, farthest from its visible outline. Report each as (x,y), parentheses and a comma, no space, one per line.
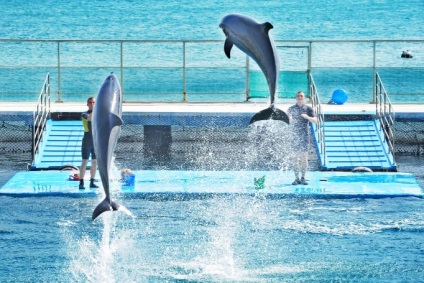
(41,115)
(55,144)
(356,140)
(385,114)
(318,128)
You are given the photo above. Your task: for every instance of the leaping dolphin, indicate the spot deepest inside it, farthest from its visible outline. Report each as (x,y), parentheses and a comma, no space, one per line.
(107,121)
(253,39)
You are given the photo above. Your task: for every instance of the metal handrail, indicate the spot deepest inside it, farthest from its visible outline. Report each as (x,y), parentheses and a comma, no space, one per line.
(56,58)
(385,114)
(40,115)
(320,127)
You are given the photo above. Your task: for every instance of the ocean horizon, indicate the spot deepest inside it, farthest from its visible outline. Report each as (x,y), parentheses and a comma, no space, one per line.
(359,19)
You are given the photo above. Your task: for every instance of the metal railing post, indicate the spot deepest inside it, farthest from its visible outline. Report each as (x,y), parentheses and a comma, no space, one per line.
(122,69)
(374,72)
(59,78)
(247,78)
(48,96)
(184,73)
(310,67)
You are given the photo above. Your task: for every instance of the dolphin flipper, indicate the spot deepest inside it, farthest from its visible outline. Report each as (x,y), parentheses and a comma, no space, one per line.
(270,113)
(116,120)
(105,205)
(227,47)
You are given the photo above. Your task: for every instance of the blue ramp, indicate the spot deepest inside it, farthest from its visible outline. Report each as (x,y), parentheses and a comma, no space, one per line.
(351,144)
(60,145)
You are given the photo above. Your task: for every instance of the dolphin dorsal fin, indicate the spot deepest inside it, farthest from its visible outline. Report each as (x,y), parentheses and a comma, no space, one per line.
(116,120)
(266,27)
(227,47)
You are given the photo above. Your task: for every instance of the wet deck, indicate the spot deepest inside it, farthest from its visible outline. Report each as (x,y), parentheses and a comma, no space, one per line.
(188,184)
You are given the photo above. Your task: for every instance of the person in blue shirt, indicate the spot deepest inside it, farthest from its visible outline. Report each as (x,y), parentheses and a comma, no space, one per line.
(87,146)
(300,116)
(127,177)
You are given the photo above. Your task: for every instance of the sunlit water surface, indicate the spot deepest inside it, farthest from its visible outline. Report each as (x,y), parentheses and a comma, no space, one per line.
(214,238)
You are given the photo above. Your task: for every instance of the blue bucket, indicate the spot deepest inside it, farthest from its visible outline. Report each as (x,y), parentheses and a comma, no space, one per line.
(129,180)
(339,97)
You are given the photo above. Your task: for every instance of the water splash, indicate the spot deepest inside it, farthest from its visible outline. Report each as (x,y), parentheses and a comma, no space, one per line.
(270,146)
(95,258)
(214,258)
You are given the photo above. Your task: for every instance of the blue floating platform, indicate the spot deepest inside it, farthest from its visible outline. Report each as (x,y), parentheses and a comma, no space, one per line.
(189,183)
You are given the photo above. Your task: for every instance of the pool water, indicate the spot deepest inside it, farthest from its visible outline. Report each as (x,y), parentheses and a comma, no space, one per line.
(215,239)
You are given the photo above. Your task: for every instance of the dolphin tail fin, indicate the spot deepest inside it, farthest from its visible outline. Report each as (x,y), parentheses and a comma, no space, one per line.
(270,113)
(114,205)
(105,205)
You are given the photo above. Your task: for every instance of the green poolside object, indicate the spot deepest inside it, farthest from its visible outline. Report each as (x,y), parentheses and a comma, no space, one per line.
(259,183)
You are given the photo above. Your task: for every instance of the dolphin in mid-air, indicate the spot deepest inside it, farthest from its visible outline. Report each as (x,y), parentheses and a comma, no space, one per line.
(106,127)
(253,39)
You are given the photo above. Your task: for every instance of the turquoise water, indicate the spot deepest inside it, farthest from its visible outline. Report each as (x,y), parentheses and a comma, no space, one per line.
(212,238)
(215,239)
(360,19)
(23,66)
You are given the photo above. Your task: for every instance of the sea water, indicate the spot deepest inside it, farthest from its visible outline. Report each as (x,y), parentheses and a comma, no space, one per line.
(199,20)
(215,239)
